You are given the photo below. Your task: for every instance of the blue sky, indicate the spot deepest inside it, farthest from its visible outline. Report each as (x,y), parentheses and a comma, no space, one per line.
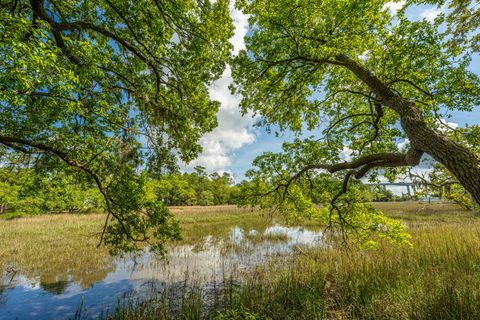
(236,142)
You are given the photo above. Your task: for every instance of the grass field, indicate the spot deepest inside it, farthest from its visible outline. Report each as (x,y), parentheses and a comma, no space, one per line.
(438,278)
(57,246)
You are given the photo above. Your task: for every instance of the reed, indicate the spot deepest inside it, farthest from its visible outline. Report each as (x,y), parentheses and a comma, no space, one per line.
(437,278)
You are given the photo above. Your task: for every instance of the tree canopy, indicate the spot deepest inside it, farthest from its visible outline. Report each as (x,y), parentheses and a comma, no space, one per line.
(109,89)
(368,79)
(106,87)
(37,190)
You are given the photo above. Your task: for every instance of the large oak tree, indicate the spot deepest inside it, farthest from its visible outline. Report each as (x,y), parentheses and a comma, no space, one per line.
(99,86)
(368,78)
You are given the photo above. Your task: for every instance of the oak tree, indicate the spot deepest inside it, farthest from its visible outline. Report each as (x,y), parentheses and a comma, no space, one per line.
(100,86)
(368,79)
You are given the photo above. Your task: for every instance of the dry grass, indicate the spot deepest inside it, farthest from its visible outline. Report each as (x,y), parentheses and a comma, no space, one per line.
(55,246)
(418,209)
(439,278)
(187,211)
(52,247)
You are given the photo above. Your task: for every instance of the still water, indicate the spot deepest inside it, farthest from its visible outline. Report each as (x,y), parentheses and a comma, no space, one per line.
(207,263)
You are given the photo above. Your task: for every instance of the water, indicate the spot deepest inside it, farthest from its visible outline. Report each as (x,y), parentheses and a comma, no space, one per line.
(210,261)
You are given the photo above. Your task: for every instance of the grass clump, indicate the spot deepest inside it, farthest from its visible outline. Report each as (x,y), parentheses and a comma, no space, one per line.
(240,313)
(439,278)
(267,236)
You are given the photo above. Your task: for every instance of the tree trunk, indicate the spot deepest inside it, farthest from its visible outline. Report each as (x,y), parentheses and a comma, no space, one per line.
(460,161)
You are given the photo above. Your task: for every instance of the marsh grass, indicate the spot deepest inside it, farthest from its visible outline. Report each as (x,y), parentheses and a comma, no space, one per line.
(55,248)
(438,278)
(60,248)
(202,211)
(159,308)
(267,236)
(219,223)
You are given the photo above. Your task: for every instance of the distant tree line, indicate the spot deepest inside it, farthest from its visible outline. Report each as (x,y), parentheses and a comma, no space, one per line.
(195,188)
(33,191)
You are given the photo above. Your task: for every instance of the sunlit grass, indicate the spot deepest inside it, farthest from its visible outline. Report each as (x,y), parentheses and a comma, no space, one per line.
(58,247)
(438,278)
(267,236)
(53,247)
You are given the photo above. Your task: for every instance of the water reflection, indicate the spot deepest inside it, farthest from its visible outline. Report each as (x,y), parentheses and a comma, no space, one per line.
(209,260)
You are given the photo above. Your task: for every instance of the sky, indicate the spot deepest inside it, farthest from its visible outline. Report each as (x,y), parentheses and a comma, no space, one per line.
(234,144)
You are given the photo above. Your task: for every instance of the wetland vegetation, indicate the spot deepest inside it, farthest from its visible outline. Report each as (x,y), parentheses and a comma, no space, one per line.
(109,110)
(237,263)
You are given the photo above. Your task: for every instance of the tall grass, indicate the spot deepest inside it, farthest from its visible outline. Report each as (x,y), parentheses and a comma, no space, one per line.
(439,278)
(55,248)
(63,247)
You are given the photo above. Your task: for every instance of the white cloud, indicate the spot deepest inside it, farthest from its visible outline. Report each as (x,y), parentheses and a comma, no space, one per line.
(394,6)
(240,22)
(431,13)
(234,130)
(346,154)
(364,55)
(402,146)
(445,126)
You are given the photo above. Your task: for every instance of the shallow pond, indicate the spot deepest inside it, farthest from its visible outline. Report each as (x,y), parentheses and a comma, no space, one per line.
(207,263)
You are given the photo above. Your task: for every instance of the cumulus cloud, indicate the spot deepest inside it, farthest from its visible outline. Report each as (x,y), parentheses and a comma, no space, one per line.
(346,154)
(445,126)
(402,146)
(431,13)
(234,130)
(394,6)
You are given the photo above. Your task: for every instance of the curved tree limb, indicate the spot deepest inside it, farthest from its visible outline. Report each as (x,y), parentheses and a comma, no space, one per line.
(18,143)
(57,28)
(357,168)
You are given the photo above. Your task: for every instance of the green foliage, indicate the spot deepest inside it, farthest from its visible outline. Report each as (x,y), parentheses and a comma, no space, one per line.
(316,65)
(462,22)
(318,195)
(196,188)
(31,191)
(101,86)
(287,64)
(240,313)
(383,194)
(9,188)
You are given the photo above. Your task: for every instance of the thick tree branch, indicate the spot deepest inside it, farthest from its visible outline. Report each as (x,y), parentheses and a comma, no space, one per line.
(40,13)
(357,168)
(18,143)
(381,90)
(413,85)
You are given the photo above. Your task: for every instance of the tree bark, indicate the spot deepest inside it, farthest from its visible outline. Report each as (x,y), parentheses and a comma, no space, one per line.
(460,161)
